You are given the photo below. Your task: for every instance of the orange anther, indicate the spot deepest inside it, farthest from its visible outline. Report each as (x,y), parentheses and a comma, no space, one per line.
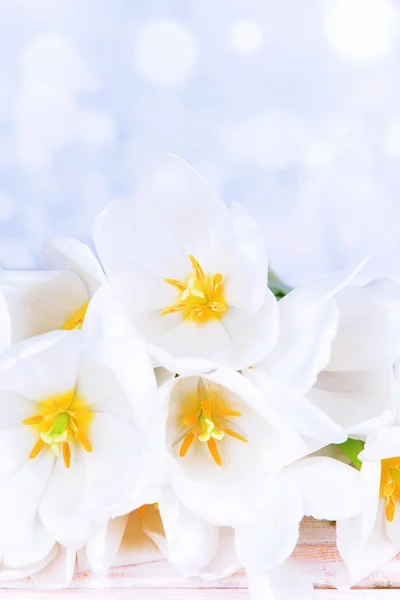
(84,442)
(236,435)
(37,448)
(66,450)
(33,420)
(212,446)
(187,442)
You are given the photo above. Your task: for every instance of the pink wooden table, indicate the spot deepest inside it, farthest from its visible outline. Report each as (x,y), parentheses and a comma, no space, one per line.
(158,581)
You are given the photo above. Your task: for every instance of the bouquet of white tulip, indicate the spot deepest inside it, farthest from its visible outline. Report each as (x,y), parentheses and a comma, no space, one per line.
(165,399)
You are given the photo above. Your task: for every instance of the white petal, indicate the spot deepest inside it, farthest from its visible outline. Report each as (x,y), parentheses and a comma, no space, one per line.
(43,366)
(369,327)
(363,555)
(358,402)
(183,366)
(304,344)
(36,545)
(20,497)
(308,318)
(61,507)
(68,253)
(251,244)
(27,570)
(252,335)
(330,489)
(308,419)
(384,442)
(16,444)
(116,377)
(114,468)
(102,545)
(284,583)
(41,301)
(157,231)
(371,480)
(58,573)
(286,443)
(136,546)
(191,541)
(105,315)
(273,537)
(225,561)
(209,341)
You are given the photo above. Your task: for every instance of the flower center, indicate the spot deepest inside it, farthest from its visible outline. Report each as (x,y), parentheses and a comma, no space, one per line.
(206,420)
(61,420)
(390,484)
(75,321)
(201,298)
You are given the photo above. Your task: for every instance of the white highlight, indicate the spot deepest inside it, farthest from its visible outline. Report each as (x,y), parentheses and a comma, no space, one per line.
(360,30)
(273,140)
(246,37)
(165,52)
(7,207)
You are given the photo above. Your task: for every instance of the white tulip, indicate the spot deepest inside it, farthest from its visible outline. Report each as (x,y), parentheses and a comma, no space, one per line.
(35,302)
(73,440)
(372,539)
(223,440)
(334,358)
(191,273)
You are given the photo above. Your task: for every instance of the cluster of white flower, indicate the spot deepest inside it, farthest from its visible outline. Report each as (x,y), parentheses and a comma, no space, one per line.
(167,400)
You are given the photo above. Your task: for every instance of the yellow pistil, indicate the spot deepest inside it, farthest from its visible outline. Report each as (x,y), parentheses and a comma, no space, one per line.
(75,321)
(142,509)
(207,421)
(201,297)
(61,421)
(390,485)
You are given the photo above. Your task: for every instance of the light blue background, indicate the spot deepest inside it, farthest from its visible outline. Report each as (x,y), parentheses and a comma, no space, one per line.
(291,107)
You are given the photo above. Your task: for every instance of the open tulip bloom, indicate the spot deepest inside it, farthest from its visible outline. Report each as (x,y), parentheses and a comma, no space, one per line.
(164,399)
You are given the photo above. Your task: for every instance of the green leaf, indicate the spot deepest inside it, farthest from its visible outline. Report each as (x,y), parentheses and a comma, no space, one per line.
(352,448)
(277,286)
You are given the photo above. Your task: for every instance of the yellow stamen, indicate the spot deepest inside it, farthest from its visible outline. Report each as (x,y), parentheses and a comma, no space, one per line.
(61,420)
(388,488)
(173,308)
(199,273)
(390,510)
(33,420)
(230,413)
(201,297)
(218,307)
(206,419)
(84,442)
(75,321)
(177,284)
(390,485)
(236,435)
(206,406)
(187,442)
(37,448)
(216,281)
(189,420)
(212,446)
(66,450)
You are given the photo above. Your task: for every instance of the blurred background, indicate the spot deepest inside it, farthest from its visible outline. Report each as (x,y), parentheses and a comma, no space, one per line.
(292,108)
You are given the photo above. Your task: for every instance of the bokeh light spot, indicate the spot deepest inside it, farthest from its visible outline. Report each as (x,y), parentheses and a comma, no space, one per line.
(165,52)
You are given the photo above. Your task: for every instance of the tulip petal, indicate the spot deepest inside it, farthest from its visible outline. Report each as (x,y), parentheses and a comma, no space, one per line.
(369,327)
(330,489)
(62,253)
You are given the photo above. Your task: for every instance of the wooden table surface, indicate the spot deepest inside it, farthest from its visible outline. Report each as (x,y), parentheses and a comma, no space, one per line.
(158,581)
